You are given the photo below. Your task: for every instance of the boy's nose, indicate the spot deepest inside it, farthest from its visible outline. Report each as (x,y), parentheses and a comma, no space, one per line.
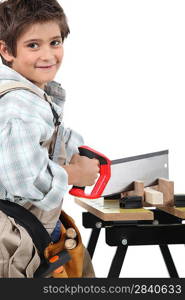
(46,54)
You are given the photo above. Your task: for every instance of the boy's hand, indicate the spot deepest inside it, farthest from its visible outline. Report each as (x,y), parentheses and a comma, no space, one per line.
(82,171)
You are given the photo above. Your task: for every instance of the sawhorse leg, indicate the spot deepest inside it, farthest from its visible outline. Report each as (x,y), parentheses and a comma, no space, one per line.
(93,241)
(169,261)
(117,262)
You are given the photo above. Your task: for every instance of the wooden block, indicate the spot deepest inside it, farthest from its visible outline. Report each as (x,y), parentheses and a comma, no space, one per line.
(167,188)
(153,197)
(138,190)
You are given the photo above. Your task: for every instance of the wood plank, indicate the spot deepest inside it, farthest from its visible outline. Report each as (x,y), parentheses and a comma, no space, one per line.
(175,211)
(109,210)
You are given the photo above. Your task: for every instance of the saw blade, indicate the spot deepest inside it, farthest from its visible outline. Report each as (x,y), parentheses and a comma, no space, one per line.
(147,168)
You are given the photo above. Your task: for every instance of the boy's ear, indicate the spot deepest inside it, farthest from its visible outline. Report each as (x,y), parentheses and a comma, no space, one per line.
(4,52)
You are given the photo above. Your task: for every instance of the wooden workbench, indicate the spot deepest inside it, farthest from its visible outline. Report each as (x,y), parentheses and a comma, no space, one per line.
(130,227)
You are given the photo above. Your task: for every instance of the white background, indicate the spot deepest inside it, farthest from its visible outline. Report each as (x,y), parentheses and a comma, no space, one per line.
(124,73)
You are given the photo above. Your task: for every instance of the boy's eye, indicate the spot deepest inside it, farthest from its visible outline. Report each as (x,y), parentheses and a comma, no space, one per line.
(56,43)
(33,45)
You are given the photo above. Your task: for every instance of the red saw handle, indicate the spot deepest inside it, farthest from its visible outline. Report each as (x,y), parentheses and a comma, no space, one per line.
(105,173)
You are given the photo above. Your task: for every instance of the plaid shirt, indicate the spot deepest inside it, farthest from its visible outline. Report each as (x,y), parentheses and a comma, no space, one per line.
(26,172)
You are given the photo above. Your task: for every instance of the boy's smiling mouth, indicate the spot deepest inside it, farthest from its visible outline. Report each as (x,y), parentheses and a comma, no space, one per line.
(46,67)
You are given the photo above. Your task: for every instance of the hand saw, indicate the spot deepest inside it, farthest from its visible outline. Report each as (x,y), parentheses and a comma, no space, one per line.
(117,176)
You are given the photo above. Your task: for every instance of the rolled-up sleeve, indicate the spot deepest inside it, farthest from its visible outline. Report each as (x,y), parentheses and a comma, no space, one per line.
(25,168)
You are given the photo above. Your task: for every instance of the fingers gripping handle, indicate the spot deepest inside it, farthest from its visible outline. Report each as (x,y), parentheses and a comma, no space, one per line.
(105,173)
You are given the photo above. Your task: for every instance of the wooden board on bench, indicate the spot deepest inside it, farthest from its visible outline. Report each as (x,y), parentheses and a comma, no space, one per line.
(109,210)
(175,211)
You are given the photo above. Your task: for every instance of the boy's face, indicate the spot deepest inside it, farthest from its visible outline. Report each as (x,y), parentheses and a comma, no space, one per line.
(39,53)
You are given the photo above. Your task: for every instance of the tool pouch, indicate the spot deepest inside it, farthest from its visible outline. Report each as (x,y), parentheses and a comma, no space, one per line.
(74,266)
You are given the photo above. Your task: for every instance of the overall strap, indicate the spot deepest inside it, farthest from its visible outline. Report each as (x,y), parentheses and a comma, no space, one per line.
(29,221)
(16,85)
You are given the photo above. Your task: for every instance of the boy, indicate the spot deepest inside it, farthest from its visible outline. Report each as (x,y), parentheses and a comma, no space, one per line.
(31,48)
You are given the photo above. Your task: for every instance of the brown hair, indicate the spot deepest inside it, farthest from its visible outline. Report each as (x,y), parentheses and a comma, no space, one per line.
(17,15)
